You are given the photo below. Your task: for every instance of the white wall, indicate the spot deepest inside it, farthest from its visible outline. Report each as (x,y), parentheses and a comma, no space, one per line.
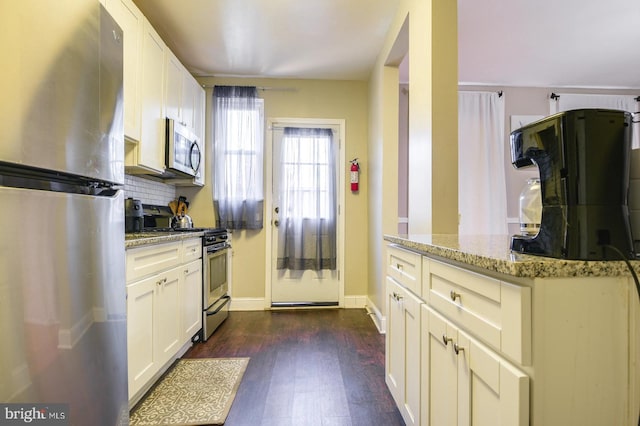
(535,101)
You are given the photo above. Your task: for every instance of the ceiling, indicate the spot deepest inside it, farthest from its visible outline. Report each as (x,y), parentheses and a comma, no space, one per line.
(544,43)
(550,43)
(323,39)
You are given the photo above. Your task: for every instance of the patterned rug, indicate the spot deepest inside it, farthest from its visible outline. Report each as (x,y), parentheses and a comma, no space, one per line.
(192,392)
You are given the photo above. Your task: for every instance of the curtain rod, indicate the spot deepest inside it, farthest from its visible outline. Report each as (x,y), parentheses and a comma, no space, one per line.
(263,88)
(555,96)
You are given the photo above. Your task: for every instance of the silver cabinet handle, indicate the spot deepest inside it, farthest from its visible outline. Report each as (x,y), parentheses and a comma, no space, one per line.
(455,296)
(457,348)
(399,266)
(446,339)
(276,223)
(397,296)
(186,271)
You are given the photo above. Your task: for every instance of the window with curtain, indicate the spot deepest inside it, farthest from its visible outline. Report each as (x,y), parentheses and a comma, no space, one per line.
(307,193)
(482,190)
(238,147)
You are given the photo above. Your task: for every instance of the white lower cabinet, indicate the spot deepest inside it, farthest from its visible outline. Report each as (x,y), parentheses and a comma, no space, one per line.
(153,333)
(167,319)
(402,363)
(141,353)
(164,308)
(191,294)
(465,383)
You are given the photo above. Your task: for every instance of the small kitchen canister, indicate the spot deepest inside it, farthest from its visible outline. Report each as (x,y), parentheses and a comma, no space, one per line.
(530,207)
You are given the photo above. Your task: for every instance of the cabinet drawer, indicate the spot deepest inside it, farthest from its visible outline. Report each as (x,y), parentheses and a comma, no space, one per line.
(496,312)
(191,250)
(405,267)
(143,261)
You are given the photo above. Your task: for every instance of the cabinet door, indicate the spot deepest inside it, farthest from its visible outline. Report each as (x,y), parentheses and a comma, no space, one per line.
(394,360)
(152,138)
(439,370)
(131,20)
(189,86)
(174,90)
(491,392)
(403,350)
(191,300)
(411,319)
(141,305)
(167,320)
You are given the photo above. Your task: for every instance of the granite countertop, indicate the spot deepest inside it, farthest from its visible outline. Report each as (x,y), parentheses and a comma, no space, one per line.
(492,252)
(138,239)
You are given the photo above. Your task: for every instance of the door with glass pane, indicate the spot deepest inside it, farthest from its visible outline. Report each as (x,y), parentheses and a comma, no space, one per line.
(305,224)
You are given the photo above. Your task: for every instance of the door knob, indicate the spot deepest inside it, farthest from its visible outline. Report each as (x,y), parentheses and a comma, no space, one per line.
(276,222)
(277,209)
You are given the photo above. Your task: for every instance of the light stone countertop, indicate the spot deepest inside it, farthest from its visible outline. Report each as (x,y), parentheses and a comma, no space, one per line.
(138,239)
(491,252)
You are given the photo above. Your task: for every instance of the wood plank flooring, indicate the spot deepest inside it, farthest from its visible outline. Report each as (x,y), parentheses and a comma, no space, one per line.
(307,367)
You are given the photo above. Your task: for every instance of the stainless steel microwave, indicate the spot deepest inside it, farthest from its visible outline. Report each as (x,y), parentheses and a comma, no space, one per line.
(183,153)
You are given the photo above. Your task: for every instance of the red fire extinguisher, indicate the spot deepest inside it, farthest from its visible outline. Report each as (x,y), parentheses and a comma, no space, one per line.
(355,169)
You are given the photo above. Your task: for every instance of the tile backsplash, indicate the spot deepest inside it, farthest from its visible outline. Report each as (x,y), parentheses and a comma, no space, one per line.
(148,191)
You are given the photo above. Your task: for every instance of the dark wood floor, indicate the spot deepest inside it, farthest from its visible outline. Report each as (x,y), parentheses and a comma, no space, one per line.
(307,367)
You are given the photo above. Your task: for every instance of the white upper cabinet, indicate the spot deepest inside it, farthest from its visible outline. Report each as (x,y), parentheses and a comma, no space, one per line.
(130,19)
(156,86)
(174,86)
(152,138)
(184,102)
(143,90)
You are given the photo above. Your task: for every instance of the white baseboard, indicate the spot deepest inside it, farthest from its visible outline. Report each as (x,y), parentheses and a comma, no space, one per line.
(68,337)
(258,303)
(355,302)
(376,316)
(246,304)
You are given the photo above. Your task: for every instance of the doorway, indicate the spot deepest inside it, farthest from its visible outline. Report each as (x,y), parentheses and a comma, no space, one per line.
(305,222)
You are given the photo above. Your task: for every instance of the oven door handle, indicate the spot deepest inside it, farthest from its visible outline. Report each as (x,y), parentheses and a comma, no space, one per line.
(227,300)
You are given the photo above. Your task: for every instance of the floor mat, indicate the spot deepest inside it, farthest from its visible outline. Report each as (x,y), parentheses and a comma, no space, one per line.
(193,392)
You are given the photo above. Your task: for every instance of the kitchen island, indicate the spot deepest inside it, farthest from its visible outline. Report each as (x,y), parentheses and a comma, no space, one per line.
(505,338)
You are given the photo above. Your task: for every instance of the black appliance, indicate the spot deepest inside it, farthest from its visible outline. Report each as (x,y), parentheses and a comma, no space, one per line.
(583,158)
(156,217)
(133,215)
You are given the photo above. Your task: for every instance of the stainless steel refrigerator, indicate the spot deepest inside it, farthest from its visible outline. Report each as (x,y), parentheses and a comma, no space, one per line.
(62,283)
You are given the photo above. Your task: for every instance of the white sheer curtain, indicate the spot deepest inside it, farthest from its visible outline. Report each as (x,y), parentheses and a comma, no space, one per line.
(569,101)
(238,146)
(482,194)
(307,231)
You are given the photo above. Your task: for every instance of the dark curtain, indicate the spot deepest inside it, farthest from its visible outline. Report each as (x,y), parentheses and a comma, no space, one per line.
(238,146)
(307,185)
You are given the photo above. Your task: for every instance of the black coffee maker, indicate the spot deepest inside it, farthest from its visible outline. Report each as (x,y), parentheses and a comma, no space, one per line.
(583,157)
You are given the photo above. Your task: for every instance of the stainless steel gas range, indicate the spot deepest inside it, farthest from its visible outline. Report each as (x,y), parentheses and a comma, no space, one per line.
(215,258)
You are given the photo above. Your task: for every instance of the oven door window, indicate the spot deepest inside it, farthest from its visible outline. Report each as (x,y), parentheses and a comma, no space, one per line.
(217,275)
